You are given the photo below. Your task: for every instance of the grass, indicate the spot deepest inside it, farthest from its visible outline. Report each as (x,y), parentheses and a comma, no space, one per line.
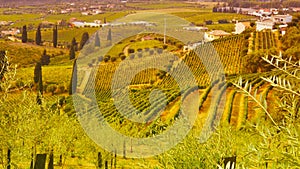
(25,55)
(35,19)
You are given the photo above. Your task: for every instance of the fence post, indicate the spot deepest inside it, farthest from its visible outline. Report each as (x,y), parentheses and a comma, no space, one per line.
(8,158)
(50,164)
(106,164)
(124,150)
(99,165)
(115,164)
(40,161)
(60,160)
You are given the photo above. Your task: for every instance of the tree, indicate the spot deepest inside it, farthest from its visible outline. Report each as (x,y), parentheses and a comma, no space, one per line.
(3,64)
(55,36)
(97,40)
(84,39)
(38,36)
(45,59)
(74,44)
(37,72)
(72,52)
(109,35)
(24,34)
(73,83)
(38,79)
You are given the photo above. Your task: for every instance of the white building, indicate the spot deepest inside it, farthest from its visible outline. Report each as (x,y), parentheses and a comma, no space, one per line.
(241,27)
(215,34)
(266,24)
(284,19)
(195,28)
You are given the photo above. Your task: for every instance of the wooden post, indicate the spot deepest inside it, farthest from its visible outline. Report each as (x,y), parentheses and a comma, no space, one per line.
(8,158)
(40,161)
(50,164)
(31,163)
(60,160)
(99,165)
(106,165)
(115,164)
(124,150)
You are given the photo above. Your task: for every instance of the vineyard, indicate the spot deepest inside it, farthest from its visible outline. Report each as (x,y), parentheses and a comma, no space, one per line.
(141,89)
(266,41)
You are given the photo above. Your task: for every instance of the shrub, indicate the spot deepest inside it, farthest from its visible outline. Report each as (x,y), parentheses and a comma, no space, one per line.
(113,59)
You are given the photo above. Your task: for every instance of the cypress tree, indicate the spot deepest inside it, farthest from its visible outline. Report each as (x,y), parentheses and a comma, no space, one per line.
(38,79)
(73,83)
(74,44)
(38,36)
(97,40)
(37,72)
(72,52)
(45,59)
(24,34)
(55,36)
(84,39)
(109,35)
(3,63)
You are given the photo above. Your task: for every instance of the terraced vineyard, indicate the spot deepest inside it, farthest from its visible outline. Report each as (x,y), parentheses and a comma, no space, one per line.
(265,41)
(238,107)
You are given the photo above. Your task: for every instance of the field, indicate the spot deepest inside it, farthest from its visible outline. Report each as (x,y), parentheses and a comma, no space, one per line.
(232,97)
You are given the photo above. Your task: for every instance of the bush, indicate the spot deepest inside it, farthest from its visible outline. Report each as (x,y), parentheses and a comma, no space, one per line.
(51,88)
(123,57)
(132,56)
(113,59)
(130,50)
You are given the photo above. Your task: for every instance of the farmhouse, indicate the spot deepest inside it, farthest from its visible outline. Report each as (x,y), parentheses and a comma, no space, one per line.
(282,29)
(215,34)
(241,27)
(77,24)
(284,19)
(266,24)
(195,28)
(12,31)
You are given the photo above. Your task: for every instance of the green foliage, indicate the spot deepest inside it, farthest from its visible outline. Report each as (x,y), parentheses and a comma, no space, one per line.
(45,58)
(37,72)
(84,39)
(73,82)
(24,34)
(3,64)
(55,36)
(72,52)
(38,36)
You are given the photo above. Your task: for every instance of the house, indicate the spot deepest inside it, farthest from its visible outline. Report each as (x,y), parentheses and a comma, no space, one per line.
(10,32)
(195,28)
(97,21)
(265,24)
(282,19)
(241,27)
(145,38)
(97,11)
(215,34)
(77,24)
(192,46)
(6,23)
(282,29)
(14,39)
(63,11)
(85,13)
